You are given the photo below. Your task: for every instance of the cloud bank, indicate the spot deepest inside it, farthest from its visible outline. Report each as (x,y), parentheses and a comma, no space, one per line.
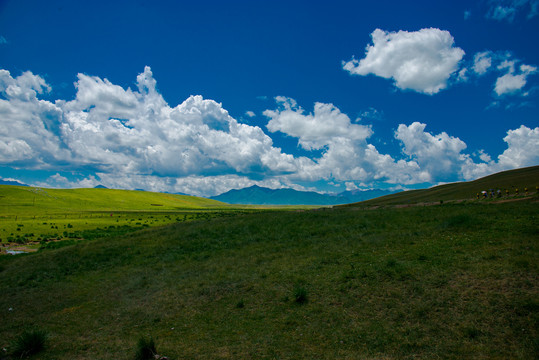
(132,139)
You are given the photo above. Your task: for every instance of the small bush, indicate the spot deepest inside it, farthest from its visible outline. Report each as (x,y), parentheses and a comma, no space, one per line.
(471,332)
(300,294)
(30,342)
(391,263)
(20,240)
(145,349)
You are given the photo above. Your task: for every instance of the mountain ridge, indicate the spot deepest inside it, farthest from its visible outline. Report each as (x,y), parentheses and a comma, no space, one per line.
(257,195)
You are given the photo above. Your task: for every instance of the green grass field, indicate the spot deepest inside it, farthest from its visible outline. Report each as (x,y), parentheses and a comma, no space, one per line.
(29,200)
(437,282)
(31,216)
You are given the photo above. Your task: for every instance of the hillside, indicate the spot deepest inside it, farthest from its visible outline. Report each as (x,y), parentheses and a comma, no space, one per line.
(17,199)
(256,195)
(510,180)
(457,281)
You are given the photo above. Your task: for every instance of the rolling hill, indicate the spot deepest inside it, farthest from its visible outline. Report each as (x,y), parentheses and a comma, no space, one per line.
(30,199)
(510,180)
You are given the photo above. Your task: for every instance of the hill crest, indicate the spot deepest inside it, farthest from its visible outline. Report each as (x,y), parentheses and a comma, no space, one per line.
(510,180)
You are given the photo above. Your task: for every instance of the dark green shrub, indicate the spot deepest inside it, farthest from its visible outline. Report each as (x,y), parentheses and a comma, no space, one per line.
(300,294)
(30,342)
(20,240)
(391,263)
(471,332)
(145,349)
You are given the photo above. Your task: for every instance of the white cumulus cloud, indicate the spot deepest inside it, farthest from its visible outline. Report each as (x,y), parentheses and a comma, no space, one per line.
(138,132)
(442,158)
(440,154)
(29,127)
(422,60)
(513,81)
(346,153)
(522,148)
(314,131)
(482,62)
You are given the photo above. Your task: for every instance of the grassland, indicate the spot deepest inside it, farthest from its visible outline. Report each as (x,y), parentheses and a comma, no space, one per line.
(29,200)
(450,281)
(31,216)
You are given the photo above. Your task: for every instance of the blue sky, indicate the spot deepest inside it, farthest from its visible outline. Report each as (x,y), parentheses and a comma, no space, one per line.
(203,97)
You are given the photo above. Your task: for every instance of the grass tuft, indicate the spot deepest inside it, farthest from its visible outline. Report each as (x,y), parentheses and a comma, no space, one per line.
(300,294)
(471,332)
(30,342)
(146,349)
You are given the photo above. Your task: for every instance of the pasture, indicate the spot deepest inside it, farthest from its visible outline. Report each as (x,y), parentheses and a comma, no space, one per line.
(32,217)
(31,232)
(448,281)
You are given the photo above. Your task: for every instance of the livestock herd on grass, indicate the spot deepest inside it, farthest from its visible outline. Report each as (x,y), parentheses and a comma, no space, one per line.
(497,193)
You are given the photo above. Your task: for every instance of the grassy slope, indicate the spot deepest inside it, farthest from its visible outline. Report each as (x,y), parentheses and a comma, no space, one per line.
(519,178)
(32,214)
(17,199)
(452,281)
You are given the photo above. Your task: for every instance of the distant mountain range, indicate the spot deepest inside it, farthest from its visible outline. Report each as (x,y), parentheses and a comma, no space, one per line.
(256,195)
